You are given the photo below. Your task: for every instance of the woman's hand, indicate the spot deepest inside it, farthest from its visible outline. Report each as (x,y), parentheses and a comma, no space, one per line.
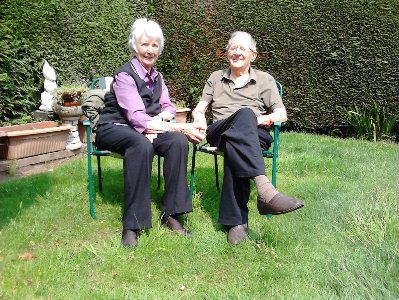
(188,129)
(166,115)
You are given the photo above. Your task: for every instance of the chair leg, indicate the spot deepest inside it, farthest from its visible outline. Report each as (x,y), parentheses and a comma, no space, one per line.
(274,165)
(275,155)
(90,178)
(216,172)
(274,179)
(99,174)
(159,173)
(90,170)
(192,172)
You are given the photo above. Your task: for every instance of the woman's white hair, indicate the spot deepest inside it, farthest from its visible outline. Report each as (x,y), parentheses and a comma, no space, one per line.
(148,27)
(252,45)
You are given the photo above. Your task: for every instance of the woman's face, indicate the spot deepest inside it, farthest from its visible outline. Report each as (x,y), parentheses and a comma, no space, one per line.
(239,54)
(147,51)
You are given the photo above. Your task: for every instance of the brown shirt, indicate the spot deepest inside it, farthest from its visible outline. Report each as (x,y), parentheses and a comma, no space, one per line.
(260,94)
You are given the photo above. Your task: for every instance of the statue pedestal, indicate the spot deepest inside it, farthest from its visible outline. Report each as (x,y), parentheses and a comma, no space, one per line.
(70,115)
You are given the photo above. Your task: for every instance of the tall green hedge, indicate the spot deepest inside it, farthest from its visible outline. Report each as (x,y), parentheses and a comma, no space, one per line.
(80,39)
(328,54)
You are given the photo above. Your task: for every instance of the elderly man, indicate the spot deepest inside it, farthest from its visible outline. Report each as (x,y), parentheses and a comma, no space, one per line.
(241,99)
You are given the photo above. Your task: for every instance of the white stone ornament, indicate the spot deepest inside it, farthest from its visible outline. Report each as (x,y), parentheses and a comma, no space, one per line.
(49,85)
(49,72)
(47,101)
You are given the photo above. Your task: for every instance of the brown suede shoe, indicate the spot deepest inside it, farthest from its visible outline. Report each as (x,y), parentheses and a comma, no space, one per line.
(129,238)
(175,225)
(279,204)
(237,234)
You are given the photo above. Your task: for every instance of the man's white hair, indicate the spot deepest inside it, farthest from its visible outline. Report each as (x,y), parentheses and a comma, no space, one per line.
(235,34)
(148,27)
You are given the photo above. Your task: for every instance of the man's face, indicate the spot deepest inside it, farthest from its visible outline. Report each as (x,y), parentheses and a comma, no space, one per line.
(239,54)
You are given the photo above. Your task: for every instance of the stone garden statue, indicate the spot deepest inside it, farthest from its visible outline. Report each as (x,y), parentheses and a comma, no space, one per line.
(49,85)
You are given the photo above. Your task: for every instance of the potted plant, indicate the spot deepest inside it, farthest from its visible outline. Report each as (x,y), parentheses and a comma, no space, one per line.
(182,112)
(67,105)
(69,95)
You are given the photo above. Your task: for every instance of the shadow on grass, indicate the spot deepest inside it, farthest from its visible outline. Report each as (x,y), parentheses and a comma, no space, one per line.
(19,194)
(112,192)
(204,186)
(113,187)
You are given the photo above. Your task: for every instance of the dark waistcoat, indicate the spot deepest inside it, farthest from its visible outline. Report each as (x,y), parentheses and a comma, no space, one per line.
(112,112)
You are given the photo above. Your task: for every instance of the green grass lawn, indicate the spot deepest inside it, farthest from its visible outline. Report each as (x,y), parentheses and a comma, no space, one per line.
(344,244)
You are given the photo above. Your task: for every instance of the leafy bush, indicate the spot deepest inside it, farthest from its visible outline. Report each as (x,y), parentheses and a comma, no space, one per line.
(18,79)
(371,123)
(22,120)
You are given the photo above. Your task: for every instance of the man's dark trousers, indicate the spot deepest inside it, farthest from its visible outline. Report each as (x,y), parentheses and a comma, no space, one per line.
(239,137)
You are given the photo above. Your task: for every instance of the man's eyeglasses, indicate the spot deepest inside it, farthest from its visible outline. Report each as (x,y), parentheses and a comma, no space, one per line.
(233,49)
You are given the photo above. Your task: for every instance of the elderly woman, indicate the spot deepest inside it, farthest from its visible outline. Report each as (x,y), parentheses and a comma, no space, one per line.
(134,124)
(240,98)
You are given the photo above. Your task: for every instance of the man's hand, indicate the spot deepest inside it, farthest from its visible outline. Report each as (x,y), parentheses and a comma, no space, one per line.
(278,115)
(192,133)
(264,120)
(200,122)
(199,116)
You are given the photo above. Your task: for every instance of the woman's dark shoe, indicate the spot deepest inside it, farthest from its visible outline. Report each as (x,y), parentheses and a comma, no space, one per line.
(279,204)
(129,238)
(237,234)
(175,225)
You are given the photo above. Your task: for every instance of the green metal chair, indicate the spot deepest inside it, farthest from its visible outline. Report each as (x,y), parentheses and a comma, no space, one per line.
(206,148)
(92,150)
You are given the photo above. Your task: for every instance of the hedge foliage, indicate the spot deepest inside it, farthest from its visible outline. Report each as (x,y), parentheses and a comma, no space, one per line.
(329,55)
(80,39)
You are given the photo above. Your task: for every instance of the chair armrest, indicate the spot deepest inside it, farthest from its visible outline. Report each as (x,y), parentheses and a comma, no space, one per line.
(209,148)
(93,84)
(87,123)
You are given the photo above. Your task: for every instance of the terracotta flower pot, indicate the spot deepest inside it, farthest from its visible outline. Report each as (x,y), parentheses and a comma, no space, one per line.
(182,115)
(71,103)
(71,98)
(31,139)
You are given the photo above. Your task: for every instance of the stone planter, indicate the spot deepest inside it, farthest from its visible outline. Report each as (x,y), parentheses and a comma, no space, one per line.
(182,115)
(32,139)
(70,115)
